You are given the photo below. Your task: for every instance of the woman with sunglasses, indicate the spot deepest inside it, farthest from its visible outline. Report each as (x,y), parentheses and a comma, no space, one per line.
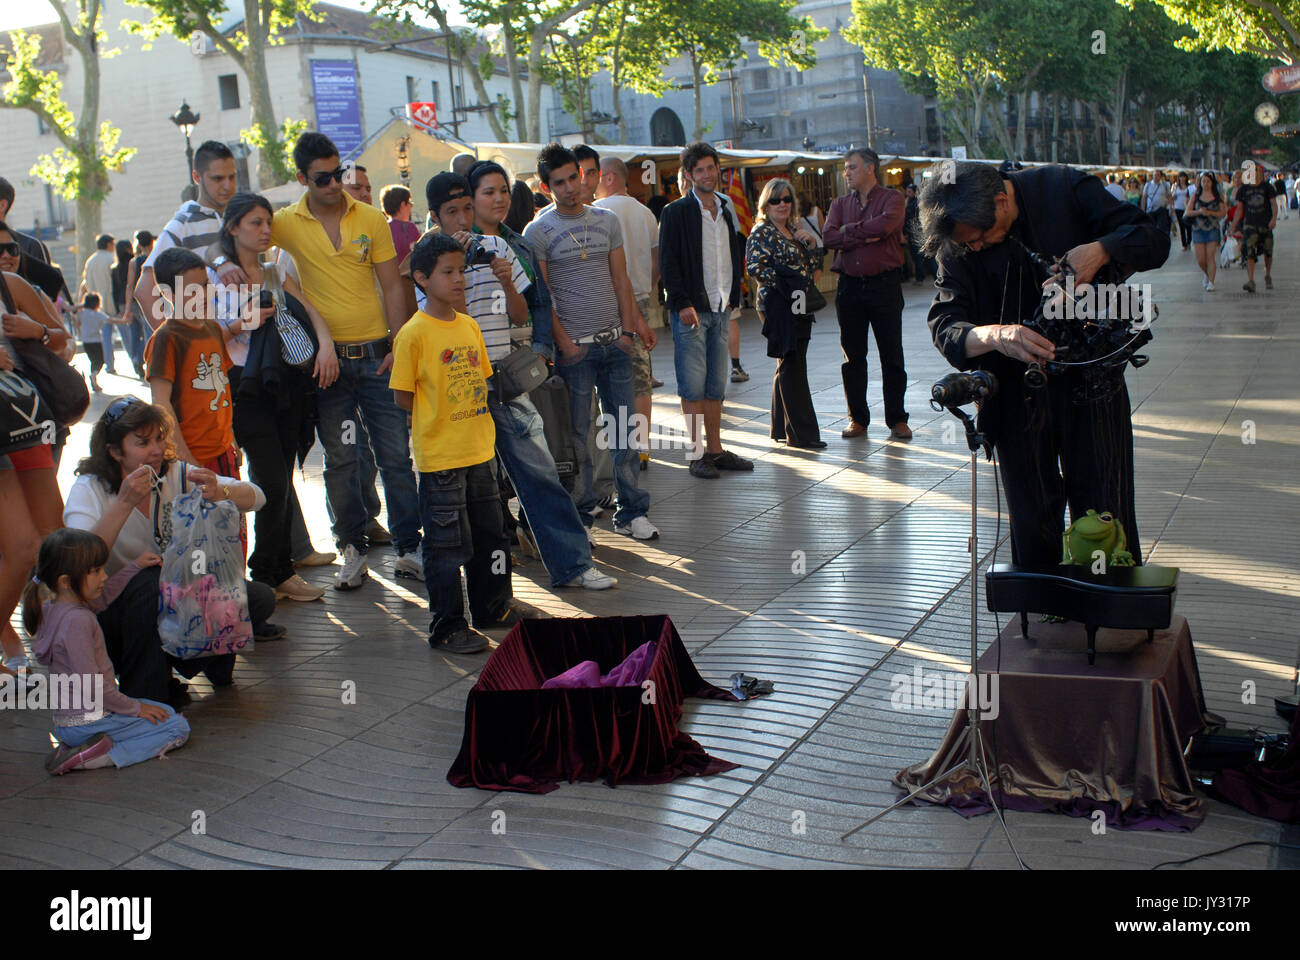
(123,494)
(30,504)
(781,256)
(270,396)
(45,278)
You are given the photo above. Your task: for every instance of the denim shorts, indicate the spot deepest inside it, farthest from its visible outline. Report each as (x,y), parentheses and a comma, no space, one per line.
(701,356)
(1205,236)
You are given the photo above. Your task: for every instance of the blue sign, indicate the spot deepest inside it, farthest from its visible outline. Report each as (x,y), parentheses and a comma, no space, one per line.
(338,109)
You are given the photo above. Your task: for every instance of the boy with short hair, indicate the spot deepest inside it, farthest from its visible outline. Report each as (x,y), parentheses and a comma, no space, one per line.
(440,373)
(187,365)
(90,319)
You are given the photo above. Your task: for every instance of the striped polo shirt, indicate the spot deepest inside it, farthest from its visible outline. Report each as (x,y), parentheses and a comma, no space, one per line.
(575,251)
(194,227)
(485,301)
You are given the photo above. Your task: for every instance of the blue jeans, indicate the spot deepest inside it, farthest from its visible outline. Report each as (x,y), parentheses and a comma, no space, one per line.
(461,510)
(369,474)
(134,738)
(135,339)
(701,356)
(361,396)
(551,514)
(106,338)
(608,370)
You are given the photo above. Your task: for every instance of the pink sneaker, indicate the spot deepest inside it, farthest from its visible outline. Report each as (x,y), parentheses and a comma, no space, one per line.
(64,759)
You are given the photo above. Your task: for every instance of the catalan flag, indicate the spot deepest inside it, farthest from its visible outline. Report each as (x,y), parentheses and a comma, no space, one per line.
(736,194)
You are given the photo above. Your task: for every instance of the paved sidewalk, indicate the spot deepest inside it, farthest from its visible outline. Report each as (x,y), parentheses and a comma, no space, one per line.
(286,775)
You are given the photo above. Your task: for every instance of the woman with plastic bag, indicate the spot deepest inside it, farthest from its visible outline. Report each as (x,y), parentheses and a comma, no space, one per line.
(124,492)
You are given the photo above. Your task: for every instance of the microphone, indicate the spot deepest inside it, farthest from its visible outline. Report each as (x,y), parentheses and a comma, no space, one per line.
(958,389)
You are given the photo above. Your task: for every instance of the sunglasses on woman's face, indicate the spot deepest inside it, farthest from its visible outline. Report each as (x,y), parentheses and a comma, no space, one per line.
(775,200)
(323,179)
(9,249)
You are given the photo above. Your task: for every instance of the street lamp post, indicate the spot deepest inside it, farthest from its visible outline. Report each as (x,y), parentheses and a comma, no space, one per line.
(185,120)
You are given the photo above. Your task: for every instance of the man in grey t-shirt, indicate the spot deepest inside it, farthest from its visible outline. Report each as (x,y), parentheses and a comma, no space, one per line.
(580,252)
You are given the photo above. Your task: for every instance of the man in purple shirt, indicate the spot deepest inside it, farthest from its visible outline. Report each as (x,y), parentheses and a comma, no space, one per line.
(864,229)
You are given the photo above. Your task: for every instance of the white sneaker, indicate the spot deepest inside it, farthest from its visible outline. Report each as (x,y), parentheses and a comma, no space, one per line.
(1205,282)
(591,537)
(638,529)
(355,570)
(1209,287)
(409,565)
(591,579)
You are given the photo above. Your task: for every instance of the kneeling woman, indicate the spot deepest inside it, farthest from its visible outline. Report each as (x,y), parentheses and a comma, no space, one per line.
(123,494)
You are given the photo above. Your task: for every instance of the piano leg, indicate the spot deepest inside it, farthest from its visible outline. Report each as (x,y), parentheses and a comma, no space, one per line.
(1092,643)
(1024,624)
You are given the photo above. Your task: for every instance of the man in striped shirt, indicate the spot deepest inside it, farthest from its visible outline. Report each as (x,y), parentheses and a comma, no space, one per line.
(196,225)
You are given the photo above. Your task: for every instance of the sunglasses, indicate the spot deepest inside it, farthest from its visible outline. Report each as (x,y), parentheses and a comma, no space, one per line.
(119,407)
(775,200)
(10,249)
(322,180)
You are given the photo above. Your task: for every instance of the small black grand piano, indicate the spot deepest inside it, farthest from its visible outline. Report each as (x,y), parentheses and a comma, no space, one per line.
(1123,598)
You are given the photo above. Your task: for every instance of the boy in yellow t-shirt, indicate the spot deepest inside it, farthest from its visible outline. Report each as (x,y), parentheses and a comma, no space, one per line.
(440,374)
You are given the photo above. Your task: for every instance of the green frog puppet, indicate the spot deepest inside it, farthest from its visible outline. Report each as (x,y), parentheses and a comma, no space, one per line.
(1093,532)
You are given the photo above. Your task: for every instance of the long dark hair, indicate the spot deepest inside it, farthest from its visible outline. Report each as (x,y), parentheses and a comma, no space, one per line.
(124,252)
(240,206)
(522,207)
(123,416)
(74,553)
(1214,185)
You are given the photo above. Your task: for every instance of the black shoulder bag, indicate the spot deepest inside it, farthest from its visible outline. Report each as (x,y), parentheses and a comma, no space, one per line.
(63,388)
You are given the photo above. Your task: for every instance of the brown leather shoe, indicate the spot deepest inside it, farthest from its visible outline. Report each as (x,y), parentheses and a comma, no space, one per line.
(854,429)
(901,431)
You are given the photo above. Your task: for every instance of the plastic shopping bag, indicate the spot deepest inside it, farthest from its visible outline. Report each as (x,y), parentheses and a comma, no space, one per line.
(204,608)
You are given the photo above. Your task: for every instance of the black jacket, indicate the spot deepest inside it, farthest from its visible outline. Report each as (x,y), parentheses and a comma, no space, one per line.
(783,328)
(681,258)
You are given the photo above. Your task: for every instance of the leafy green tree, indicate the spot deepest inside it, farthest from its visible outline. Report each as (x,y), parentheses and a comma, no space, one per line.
(79,168)
(1266,28)
(263,20)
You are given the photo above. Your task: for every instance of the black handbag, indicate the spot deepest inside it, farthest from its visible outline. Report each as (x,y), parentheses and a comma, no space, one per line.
(25,419)
(814,299)
(520,372)
(62,387)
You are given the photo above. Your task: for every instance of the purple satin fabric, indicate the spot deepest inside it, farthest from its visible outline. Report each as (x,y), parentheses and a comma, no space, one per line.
(521,737)
(630,673)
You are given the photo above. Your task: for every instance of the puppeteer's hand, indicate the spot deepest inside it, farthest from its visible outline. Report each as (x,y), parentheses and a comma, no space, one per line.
(1021,343)
(1087,259)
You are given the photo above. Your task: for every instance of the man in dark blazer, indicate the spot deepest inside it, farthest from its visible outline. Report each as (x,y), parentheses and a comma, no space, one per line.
(701,256)
(1054,448)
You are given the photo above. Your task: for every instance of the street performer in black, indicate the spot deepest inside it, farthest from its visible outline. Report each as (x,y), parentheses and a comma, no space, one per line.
(1054,447)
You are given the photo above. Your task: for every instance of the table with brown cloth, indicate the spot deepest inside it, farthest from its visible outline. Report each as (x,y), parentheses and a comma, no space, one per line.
(523,738)
(1073,739)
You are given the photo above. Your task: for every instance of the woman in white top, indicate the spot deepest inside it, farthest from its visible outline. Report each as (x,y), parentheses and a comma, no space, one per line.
(123,493)
(1181,195)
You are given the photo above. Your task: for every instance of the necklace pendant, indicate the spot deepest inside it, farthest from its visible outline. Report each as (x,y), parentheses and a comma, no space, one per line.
(584,254)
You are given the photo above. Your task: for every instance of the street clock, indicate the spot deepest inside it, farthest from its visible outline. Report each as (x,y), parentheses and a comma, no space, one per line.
(1266,114)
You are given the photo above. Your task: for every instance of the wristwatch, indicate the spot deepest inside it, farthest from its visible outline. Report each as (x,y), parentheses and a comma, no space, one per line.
(220,261)
(45,336)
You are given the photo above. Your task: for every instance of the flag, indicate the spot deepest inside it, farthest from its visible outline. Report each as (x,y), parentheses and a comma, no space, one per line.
(425,114)
(736,194)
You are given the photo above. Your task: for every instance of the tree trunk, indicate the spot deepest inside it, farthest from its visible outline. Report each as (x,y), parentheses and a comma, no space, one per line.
(1117,114)
(90,200)
(512,71)
(697,78)
(1056,127)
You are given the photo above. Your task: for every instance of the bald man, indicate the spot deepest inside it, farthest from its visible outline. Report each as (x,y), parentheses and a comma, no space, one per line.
(641,247)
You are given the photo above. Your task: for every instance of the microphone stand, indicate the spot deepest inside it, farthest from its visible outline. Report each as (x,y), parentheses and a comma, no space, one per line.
(976,760)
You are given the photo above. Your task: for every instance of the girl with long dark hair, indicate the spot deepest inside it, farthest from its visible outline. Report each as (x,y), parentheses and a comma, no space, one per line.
(1204,214)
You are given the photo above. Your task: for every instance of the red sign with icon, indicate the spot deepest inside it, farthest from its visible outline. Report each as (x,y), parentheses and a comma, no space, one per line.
(1282,79)
(423,113)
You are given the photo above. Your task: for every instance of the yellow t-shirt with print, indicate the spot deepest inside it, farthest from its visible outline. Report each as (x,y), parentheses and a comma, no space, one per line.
(340,283)
(444,363)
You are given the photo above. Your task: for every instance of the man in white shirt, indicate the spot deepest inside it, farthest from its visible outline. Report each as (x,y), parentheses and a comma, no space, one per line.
(1113,188)
(641,245)
(97,277)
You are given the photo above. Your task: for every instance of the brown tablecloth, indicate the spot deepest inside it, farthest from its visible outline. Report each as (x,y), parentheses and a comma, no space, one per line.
(1073,739)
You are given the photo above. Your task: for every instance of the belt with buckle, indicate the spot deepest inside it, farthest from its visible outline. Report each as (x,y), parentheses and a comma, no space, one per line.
(602,337)
(371,350)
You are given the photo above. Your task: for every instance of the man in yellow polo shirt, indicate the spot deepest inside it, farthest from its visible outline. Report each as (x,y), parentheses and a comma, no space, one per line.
(341,248)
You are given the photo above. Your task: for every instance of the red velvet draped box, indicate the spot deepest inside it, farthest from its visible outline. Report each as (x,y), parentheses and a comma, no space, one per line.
(521,737)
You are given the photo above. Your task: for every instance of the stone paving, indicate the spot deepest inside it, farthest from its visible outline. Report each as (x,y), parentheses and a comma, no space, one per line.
(285,775)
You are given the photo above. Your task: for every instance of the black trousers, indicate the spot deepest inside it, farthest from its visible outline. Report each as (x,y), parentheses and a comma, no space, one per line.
(793,416)
(1184,228)
(269,438)
(875,303)
(1053,452)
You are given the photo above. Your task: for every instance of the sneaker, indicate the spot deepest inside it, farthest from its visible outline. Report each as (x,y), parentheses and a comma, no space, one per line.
(462,641)
(1249,286)
(64,759)
(591,579)
(640,528)
(656,382)
(738,374)
(645,461)
(1209,287)
(726,460)
(1205,282)
(409,565)
(507,620)
(316,559)
(1268,283)
(377,535)
(704,469)
(591,538)
(269,631)
(355,570)
(527,544)
(606,502)
(296,588)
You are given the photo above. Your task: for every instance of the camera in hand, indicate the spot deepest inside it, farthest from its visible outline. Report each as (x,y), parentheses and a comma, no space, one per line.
(476,253)
(958,389)
(266,299)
